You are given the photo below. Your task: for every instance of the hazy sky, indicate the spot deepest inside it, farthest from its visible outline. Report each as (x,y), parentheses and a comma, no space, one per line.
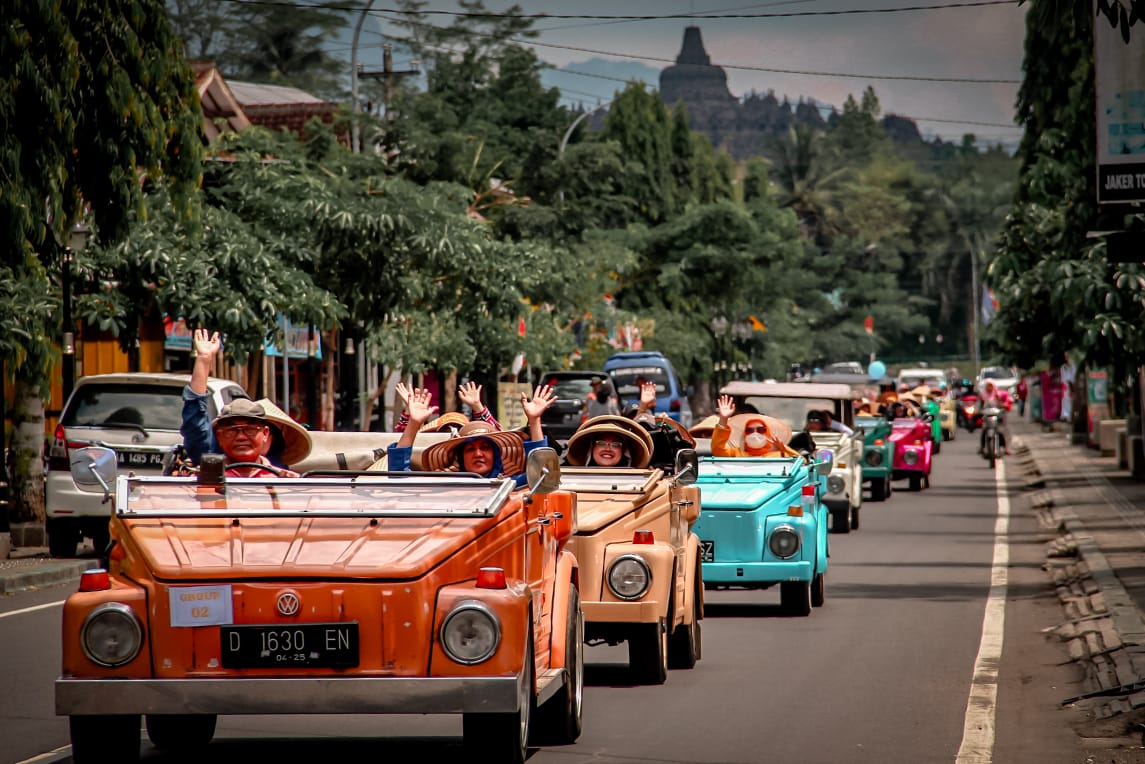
(954,43)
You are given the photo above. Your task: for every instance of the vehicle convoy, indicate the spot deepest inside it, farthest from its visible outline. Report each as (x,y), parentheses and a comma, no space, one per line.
(640,576)
(791,402)
(762,523)
(335,593)
(138,416)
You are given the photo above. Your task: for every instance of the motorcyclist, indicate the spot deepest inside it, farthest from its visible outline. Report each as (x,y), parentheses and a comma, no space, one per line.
(994,397)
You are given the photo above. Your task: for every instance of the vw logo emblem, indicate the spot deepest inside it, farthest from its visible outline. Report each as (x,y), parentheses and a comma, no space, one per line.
(289,603)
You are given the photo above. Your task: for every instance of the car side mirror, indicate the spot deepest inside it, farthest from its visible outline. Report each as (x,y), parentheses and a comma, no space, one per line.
(687,466)
(824,461)
(94,467)
(543,471)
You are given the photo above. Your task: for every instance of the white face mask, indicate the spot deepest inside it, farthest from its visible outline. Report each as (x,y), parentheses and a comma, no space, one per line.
(755,440)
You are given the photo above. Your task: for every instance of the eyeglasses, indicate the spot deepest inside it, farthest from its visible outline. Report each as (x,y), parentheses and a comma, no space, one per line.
(608,444)
(761,429)
(234,430)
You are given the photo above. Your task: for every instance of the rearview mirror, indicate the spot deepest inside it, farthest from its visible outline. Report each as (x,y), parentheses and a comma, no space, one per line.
(824,461)
(543,471)
(687,466)
(94,467)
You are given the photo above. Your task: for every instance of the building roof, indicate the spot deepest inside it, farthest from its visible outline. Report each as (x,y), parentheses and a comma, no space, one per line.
(236,105)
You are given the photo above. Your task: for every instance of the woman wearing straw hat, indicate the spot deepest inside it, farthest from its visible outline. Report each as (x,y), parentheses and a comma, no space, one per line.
(755,434)
(609,441)
(478,448)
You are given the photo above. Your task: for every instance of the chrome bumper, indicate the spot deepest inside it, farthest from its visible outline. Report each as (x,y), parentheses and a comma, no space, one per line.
(337,695)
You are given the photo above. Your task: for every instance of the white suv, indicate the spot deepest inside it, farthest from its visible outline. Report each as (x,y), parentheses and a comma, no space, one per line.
(139,416)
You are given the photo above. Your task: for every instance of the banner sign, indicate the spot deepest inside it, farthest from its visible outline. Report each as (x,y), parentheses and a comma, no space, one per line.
(1120,84)
(509,411)
(297,342)
(177,334)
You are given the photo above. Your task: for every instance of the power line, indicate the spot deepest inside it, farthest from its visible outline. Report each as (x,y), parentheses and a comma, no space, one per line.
(736,67)
(698,15)
(637,17)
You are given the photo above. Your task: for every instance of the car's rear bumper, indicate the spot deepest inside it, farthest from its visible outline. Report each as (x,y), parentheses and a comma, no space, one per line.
(756,572)
(327,695)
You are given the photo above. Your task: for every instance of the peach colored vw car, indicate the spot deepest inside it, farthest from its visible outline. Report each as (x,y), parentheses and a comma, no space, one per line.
(640,579)
(359,593)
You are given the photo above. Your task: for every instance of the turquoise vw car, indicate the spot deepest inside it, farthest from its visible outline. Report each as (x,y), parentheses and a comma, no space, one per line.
(878,455)
(763,522)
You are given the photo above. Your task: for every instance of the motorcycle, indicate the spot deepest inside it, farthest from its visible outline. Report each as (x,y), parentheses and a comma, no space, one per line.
(969,413)
(992,446)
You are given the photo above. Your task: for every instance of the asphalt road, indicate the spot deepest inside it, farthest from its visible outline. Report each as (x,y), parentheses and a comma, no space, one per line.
(883,672)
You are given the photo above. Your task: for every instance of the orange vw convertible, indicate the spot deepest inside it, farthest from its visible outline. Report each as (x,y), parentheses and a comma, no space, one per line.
(364,593)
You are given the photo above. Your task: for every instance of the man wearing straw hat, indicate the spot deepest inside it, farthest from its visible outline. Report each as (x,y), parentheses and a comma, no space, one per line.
(245,430)
(478,448)
(755,434)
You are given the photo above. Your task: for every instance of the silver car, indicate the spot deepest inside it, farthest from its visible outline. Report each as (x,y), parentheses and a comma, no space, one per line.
(136,414)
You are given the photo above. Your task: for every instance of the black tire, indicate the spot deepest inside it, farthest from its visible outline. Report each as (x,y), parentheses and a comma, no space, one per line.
(684,646)
(63,537)
(890,486)
(504,737)
(100,538)
(560,720)
(878,490)
(176,732)
(648,652)
(100,739)
(916,482)
(795,597)
(854,518)
(841,519)
(937,446)
(819,590)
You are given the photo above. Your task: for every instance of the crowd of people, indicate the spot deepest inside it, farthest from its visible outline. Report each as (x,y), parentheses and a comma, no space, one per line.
(258,439)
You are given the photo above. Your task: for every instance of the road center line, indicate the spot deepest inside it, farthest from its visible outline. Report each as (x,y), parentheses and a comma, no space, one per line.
(978,728)
(32,609)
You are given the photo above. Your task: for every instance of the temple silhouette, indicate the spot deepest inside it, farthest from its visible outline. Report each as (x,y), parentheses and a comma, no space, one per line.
(744,127)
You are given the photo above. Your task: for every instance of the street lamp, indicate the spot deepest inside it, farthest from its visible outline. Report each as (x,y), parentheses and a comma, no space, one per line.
(77,241)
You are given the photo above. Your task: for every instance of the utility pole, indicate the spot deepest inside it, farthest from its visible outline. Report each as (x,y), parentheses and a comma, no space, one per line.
(390,76)
(354,76)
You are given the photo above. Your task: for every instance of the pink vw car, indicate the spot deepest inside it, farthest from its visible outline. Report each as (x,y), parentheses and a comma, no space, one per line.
(913,443)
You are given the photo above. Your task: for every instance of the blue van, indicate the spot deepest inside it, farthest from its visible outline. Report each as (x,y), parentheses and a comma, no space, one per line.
(628,370)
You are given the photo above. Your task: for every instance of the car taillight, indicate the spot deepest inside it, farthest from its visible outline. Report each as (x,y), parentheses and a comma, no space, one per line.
(674,405)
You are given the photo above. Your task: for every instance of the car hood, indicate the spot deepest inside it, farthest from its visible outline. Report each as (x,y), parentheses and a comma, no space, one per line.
(378,547)
(742,494)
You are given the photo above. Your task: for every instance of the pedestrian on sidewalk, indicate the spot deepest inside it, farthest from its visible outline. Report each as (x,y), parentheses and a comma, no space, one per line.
(1023,392)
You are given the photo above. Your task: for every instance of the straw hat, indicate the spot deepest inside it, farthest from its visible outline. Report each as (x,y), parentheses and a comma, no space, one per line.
(296,438)
(620,421)
(637,441)
(779,430)
(705,427)
(445,456)
(448,420)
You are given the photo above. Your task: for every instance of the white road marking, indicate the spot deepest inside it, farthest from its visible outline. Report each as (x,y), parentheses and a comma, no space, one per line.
(44,757)
(31,609)
(978,728)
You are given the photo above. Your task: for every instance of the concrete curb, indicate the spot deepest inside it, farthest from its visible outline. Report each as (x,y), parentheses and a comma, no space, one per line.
(44,574)
(1105,632)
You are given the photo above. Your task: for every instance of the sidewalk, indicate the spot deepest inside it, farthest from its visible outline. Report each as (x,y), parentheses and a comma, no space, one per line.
(31,567)
(1096,562)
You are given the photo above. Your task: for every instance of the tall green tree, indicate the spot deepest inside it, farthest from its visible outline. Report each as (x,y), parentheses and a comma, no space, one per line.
(82,130)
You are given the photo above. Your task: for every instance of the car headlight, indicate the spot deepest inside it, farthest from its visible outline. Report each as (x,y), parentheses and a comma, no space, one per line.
(835,484)
(112,635)
(874,457)
(471,633)
(629,577)
(783,542)
(910,457)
